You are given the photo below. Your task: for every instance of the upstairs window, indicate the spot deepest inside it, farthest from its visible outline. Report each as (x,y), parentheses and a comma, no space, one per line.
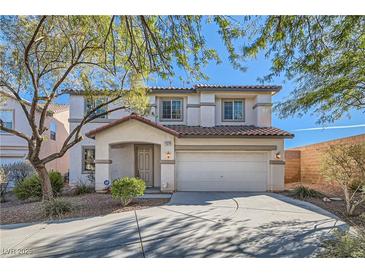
(53,130)
(88,159)
(171,109)
(7,119)
(91,103)
(233,110)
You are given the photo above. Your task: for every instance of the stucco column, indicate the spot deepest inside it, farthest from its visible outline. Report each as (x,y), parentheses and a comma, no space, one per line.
(277,169)
(102,166)
(167,167)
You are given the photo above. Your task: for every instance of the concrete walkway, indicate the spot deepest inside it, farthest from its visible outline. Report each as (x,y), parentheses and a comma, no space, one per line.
(191,225)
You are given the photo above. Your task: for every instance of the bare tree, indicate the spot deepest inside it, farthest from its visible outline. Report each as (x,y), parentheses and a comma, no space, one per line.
(345,165)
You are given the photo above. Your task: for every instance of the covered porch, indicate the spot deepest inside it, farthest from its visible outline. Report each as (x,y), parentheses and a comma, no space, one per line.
(134,147)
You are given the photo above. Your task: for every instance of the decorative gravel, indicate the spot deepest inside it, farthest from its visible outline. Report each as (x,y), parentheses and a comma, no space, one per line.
(92,204)
(336,207)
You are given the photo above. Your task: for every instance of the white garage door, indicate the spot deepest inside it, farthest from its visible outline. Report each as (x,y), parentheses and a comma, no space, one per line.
(221,171)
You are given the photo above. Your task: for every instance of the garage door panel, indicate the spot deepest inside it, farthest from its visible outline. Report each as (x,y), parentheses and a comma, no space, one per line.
(219,171)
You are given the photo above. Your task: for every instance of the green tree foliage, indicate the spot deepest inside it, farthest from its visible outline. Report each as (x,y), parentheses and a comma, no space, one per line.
(43,56)
(324,54)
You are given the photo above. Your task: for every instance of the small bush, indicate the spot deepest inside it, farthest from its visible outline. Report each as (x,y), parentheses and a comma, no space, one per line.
(83,189)
(56,181)
(344,245)
(31,186)
(127,188)
(302,192)
(56,208)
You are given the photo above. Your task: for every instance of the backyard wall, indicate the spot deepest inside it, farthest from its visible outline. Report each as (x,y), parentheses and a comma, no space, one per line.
(303,163)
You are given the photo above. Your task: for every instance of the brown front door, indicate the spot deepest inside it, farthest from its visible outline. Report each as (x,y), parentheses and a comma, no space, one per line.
(144,163)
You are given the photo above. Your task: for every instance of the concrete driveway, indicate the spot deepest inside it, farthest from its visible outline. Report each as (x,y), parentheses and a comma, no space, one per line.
(192,225)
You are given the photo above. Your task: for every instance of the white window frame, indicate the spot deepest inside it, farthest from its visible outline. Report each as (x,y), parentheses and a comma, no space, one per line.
(233,111)
(93,100)
(162,100)
(83,163)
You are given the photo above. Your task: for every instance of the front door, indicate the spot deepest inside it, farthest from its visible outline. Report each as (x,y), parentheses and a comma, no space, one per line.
(144,163)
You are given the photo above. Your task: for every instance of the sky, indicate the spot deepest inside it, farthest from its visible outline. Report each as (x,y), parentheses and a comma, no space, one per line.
(305,128)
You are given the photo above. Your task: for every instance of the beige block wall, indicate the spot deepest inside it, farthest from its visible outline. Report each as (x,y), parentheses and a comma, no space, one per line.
(311,157)
(292,166)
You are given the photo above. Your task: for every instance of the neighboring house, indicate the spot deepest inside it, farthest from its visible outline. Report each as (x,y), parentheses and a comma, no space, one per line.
(303,163)
(204,138)
(14,149)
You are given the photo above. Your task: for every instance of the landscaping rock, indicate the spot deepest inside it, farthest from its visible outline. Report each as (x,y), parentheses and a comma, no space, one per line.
(325,199)
(336,199)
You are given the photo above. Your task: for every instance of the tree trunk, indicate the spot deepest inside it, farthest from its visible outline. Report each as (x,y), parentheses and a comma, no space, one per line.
(351,210)
(46,183)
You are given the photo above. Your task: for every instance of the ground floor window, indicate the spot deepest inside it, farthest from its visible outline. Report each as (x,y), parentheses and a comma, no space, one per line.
(88,159)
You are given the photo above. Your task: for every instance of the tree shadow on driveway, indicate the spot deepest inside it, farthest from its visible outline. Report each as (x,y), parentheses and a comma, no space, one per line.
(210,228)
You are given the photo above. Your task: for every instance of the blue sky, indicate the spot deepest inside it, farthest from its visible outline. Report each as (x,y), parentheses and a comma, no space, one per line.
(225,74)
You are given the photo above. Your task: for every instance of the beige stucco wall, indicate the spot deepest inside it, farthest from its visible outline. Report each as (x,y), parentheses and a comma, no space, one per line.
(13,148)
(198,109)
(203,109)
(75,154)
(53,146)
(123,162)
(136,132)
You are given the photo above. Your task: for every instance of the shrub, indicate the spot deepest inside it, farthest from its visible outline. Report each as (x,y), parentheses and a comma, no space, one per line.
(56,208)
(31,186)
(127,188)
(56,181)
(345,165)
(344,245)
(83,188)
(302,192)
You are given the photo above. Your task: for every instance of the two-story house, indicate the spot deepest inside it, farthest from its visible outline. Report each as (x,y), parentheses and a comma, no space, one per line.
(15,149)
(203,138)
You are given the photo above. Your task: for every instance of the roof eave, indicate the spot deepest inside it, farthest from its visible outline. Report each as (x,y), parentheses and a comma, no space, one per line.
(237,136)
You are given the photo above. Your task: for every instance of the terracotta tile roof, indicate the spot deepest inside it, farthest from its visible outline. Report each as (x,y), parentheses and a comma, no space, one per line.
(197,131)
(196,88)
(229,131)
(240,87)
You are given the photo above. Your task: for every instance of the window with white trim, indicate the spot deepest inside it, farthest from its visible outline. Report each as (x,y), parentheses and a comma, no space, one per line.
(7,119)
(233,110)
(88,159)
(91,103)
(171,109)
(52,130)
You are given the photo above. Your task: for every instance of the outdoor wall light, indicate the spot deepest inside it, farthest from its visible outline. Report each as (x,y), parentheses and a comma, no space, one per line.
(168,155)
(278,156)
